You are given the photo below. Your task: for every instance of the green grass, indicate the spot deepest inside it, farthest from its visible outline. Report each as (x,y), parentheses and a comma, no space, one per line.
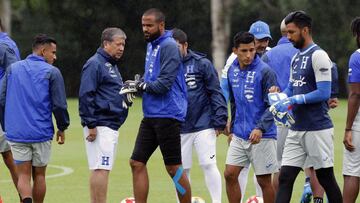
(73,188)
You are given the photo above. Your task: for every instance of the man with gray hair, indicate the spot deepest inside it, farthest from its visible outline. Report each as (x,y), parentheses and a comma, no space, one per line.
(102,109)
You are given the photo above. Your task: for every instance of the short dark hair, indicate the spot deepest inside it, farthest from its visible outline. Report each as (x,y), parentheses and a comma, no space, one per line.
(243,38)
(159,15)
(109,33)
(300,19)
(42,39)
(355,26)
(179,35)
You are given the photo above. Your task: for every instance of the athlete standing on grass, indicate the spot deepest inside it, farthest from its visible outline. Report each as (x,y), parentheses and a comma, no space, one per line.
(308,92)
(351,161)
(164,107)
(28,115)
(102,109)
(206,116)
(261,32)
(252,125)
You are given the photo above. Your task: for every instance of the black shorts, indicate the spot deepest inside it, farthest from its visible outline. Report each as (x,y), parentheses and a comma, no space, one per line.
(154,132)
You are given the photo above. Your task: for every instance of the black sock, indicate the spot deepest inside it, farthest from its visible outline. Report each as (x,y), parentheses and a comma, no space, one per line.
(307,179)
(286,182)
(318,200)
(27,200)
(328,182)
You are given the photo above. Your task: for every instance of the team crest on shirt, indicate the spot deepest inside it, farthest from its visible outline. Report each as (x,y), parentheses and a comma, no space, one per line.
(350,72)
(111,70)
(249,89)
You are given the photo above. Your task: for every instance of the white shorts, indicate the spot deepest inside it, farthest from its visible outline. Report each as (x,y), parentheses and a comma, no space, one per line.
(204,142)
(102,151)
(314,147)
(351,160)
(262,155)
(282,133)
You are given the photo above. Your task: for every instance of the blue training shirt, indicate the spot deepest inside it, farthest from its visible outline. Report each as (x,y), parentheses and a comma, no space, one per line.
(310,67)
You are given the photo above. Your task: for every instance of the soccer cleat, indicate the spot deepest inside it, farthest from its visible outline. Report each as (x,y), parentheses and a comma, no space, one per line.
(307,194)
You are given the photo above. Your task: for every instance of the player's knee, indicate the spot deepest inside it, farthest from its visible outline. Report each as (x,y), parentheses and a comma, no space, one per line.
(172,170)
(230,176)
(264,180)
(136,165)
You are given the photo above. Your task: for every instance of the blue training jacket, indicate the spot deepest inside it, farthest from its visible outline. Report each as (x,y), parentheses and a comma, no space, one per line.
(279,59)
(165,93)
(32,91)
(248,90)
(100,103)
(206,103)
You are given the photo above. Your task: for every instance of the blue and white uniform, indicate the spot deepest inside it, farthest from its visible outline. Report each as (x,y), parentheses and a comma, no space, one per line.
(164,102)
(351,160)
(310,84)
(100,107)
(249,110)
(207,110)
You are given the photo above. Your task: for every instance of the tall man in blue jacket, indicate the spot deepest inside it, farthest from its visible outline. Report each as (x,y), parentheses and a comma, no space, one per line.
(102,109)
(28,115)
(164,107)
(9,53)
(252,126)
(206,116)
(308,91)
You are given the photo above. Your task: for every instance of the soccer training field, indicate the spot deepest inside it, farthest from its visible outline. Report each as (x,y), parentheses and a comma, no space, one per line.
(68,171)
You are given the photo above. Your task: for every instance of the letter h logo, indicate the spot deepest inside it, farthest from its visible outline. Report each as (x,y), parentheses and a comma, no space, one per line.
(105,160)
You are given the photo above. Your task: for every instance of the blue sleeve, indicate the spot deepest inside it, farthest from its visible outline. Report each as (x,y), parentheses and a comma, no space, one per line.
(225,88)
(58,99)
(170,63)
(289,89)
(217,100)
(90,78)
(354,68)
(334,81)
(268,80)
(322,93)
(7,56)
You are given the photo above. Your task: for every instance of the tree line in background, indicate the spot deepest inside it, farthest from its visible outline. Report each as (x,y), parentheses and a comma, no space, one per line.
(210,25)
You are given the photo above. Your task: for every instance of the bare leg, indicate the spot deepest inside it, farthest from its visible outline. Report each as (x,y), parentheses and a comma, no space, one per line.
(24,178)
(276,181)
(140,181)
(267,188)
(9,162)
(231,175)
(39,187)
(183,181)
(317,189)
(351,189)
(98,185)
